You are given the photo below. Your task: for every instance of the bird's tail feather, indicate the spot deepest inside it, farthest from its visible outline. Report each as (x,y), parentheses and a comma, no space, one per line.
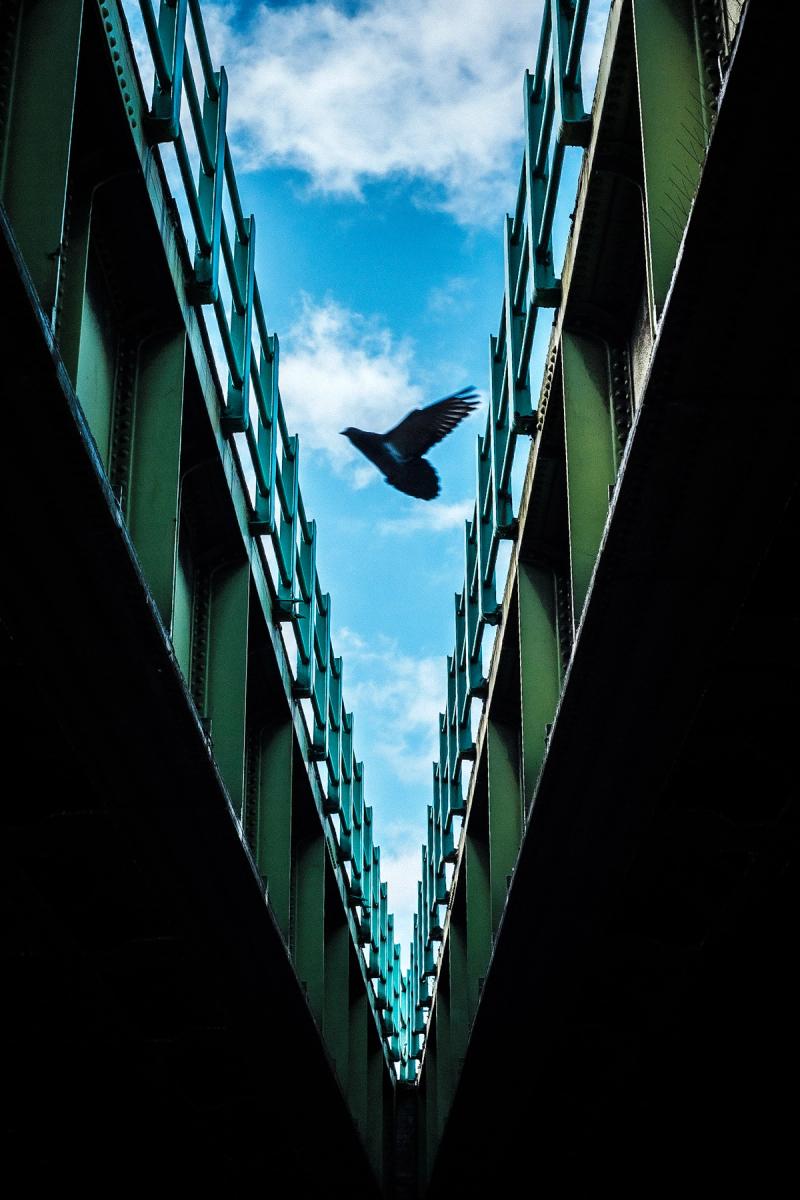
(416,478)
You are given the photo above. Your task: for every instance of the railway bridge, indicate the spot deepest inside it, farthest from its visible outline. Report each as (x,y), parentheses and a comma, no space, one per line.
(202,982)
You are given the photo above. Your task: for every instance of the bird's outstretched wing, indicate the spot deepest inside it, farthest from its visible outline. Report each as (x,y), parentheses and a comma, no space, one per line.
(424,427)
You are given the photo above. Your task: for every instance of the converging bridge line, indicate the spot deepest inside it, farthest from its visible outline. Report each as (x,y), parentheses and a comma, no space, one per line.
(594,382)
(253,408)
(202,973)
(204,483)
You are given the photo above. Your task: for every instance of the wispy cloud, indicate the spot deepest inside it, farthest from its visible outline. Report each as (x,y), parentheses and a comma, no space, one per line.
(401,867)
(423,89)
(439,518)
(399,696)
(340,368)
(451,296)
(396,698)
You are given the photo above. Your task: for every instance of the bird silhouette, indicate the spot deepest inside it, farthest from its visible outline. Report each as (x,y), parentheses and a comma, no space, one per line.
(398,453)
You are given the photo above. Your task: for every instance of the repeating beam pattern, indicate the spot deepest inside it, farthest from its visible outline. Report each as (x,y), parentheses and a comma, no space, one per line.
(194,443)
(641,137)
(253,408)
(554,119)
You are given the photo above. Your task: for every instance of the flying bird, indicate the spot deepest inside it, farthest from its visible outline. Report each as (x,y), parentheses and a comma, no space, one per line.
(398,453)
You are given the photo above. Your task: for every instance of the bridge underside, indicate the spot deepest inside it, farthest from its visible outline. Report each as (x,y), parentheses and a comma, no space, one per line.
(648,947)
(637,1023)
(154,1025)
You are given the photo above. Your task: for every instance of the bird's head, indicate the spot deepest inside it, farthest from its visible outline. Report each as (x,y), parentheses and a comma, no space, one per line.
(348,433)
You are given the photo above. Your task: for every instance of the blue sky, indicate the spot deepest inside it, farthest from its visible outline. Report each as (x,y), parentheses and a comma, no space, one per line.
(379,146)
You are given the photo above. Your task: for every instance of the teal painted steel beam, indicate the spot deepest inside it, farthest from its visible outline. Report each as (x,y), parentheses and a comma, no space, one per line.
(568,25)
(288,484)
(72,288)
(372,914)
(483,581)
(336,1017)
(167,45)
(204,148)
(306,622)
(273,849)
(357,858)
(444,1063)
(459,985)
(346,800)
(198,222)
(226,694)
(209,194)
(333,751)
(367,866)
(466,678)
(154,482)
(182,604)
(674,119)
(375,1109)
(38,138)
(209,75)
(265,453)
(162,63)
(321,679)
(236,417)
(99,346)
(502,438)
(545,288)
(431,1083)
(539,666)
(472,608)
(515,397)
(357,1062)
(479,908)
(505,811)
(589,445)
(308,932)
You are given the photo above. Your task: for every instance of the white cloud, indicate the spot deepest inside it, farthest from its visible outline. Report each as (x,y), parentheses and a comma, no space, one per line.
(426,90)
(396,699)
(401,696)
(339,367)
(422,89)
(337,363)
(401,867)
(438,518)
(453,295)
